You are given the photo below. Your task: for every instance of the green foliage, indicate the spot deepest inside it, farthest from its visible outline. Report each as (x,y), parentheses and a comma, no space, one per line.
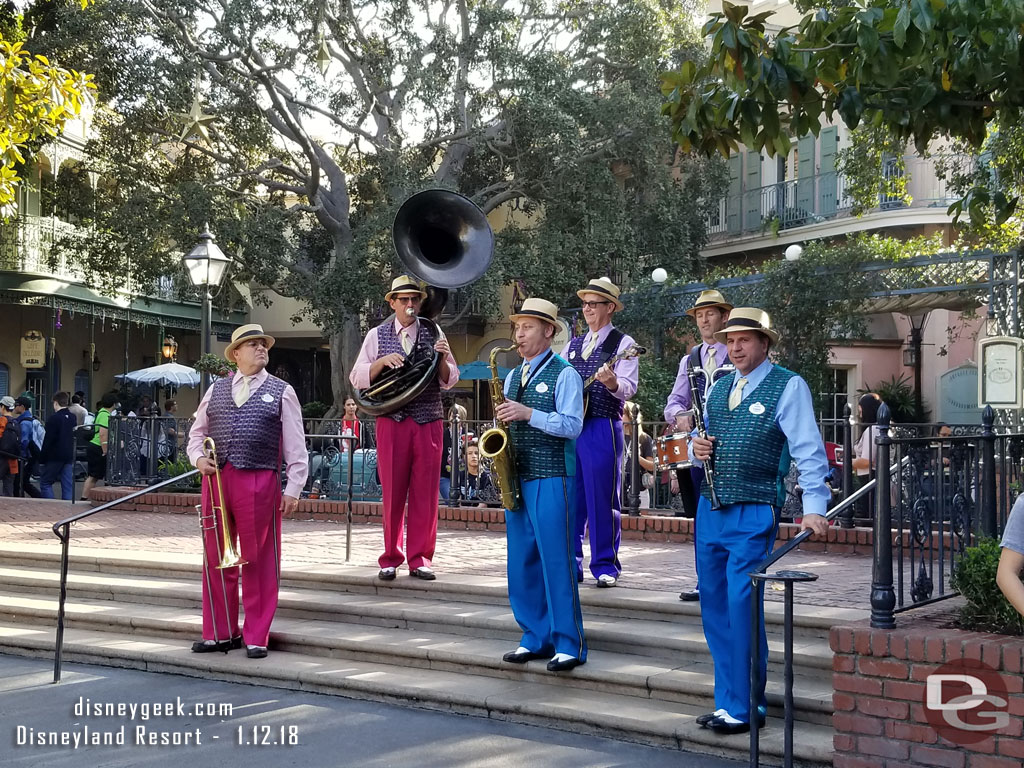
(214,365)
(314,410)
(180,466)
(873,165)
(898,394)
(919,70)
(656,380)
(974,576)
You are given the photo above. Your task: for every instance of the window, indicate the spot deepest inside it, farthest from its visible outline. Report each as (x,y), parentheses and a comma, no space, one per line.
(82,385)
(5,380)
(833,404)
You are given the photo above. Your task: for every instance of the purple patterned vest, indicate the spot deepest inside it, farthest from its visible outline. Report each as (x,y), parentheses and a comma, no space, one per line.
(426,406)
(601,404)
(249,437)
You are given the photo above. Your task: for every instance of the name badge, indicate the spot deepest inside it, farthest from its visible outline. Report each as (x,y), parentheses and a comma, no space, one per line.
(542,387)
(572,355)
(757,409)
(268,398)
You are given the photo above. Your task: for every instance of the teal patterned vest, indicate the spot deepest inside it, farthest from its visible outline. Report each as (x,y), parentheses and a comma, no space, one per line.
(539,454)
(750,449)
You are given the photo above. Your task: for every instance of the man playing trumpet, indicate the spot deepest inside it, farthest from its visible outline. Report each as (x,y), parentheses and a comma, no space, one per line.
(255,422)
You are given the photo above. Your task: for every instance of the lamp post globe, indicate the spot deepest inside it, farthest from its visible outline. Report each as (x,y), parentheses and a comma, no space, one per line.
(206,265)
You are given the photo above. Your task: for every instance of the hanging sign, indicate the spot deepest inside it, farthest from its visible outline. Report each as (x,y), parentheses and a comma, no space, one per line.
(33,350)
(999,384)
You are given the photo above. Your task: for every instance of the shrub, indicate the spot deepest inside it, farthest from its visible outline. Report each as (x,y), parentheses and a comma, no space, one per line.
(180,466)
(314,410)
(974,576)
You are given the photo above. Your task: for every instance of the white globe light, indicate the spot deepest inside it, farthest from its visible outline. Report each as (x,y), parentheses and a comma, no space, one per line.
(794,252)
(659,275)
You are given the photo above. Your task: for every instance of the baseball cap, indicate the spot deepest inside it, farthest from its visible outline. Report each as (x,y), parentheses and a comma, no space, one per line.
(24,402)
(7,402)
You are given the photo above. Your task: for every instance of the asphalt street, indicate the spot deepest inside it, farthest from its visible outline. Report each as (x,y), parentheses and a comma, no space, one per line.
(173,721)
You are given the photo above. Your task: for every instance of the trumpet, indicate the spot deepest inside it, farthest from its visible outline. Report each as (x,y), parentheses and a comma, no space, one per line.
(229,556)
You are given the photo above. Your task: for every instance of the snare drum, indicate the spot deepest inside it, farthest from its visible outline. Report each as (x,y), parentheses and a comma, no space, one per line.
(673,452)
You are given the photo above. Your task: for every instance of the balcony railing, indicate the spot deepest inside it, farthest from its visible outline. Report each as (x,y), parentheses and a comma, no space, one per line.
(26,244)
(810,200)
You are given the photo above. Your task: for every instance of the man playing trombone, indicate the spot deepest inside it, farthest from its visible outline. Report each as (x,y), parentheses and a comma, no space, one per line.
(254,422)
(710,312)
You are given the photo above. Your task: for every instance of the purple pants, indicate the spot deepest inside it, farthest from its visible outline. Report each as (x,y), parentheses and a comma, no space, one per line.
(598,495)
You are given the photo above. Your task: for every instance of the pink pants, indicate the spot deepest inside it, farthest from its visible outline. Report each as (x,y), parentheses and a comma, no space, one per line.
(409,464)
(252,498)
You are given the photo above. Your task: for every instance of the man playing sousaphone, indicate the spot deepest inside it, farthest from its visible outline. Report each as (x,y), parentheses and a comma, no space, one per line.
(255,422)
(409,439)
(599,448)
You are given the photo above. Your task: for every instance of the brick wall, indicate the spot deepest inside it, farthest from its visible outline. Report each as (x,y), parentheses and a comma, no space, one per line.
(645,527)
(879,693)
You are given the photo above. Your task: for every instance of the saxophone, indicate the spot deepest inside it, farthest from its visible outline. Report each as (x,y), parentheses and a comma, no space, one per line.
(496,445)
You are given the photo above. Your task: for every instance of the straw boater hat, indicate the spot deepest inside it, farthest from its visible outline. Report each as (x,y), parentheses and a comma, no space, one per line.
(405,284)
(748,319)
(604,287)
(541,308)
(709,298)
(243,334)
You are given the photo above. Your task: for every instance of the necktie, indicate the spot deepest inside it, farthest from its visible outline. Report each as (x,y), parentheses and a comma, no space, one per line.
(711,364)
(243,392)
(737,393)
(526,374)
(406,342)
(590,346)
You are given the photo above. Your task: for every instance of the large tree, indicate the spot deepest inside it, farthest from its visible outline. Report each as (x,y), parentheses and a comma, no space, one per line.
(297,128)
(36,99)
(921,70)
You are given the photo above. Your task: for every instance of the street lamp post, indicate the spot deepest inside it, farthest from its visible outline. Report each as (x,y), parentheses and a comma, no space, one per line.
(659,276)
(917,321)
(206,265)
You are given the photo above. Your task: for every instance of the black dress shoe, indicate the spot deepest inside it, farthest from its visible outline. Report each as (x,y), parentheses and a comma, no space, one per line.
(718,725)
(703,720)
(521,657)
(387,574)
(201,646)
(256,652)
(690,597)
(423,573)
(563,666)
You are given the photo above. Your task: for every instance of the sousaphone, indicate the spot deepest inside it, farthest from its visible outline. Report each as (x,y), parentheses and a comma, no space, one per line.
(443,239)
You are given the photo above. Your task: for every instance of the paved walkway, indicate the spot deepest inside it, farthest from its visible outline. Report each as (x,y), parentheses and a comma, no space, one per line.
(845,579)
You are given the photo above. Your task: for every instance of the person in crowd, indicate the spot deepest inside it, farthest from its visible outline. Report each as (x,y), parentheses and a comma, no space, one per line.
(474,483)
(57,458)
(543,409)
(600,446)
(450,452)
(757,417)
(645,457)
(350,426)
(409,439)
(9,458)
(96,450)
(1011,557)
(30,445)
(169,431)
(78,408)
(255,423)
(864,451)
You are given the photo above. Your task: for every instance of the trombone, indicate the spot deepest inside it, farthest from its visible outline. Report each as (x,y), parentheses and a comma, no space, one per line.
(229,556)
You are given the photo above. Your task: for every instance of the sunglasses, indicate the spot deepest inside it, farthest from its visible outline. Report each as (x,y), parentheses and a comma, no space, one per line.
(593,304)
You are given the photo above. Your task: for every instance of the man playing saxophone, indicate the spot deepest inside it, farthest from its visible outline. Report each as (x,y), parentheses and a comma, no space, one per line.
(544,410)
(255,422)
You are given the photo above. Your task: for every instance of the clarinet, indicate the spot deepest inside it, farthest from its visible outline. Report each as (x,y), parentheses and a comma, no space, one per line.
(698,415)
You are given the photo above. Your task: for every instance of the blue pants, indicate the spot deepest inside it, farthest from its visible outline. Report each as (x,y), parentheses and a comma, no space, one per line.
(599,494)
(542,586)
(731,542)
(50,472)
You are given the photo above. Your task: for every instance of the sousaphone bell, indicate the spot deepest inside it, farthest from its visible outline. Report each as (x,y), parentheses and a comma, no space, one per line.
(443,239)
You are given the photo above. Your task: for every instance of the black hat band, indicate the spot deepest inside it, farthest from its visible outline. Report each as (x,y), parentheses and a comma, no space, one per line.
(405,288)
(536,313)
(247,334)
(744,323)
(598,289)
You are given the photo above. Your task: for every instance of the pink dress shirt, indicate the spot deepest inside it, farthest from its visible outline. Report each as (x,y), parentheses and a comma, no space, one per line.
(295,456)
(360,375)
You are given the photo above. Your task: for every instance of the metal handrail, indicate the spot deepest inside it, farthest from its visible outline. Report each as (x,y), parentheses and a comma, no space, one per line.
(755,635)
(62,530)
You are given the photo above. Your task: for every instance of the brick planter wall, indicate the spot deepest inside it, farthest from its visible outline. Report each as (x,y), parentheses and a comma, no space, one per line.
(878,675)
(646,527)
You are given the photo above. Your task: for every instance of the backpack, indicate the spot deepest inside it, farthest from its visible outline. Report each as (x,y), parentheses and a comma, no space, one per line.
(10,442)
(38,433)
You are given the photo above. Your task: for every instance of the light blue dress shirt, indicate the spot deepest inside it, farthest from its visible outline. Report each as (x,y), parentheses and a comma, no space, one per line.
(567,419)
(795,417)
